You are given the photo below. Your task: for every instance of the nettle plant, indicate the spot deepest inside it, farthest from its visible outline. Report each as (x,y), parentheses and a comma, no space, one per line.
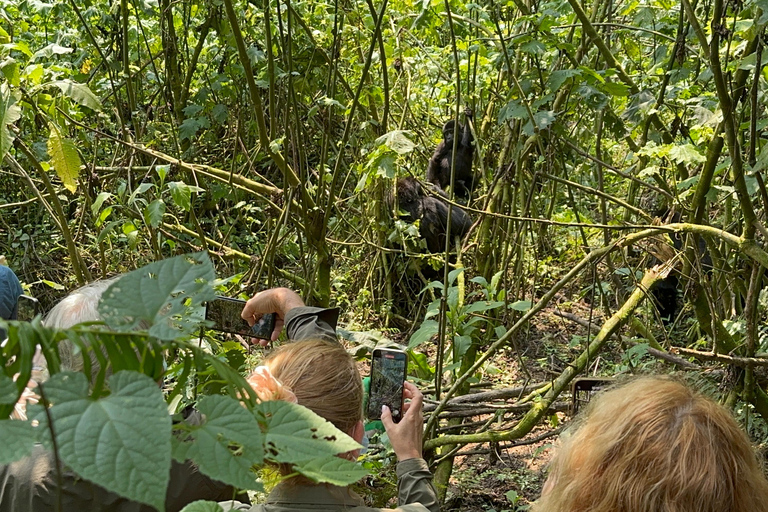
(116,430)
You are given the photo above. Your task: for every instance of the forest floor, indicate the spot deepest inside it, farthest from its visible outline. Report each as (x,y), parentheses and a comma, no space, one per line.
(509,478)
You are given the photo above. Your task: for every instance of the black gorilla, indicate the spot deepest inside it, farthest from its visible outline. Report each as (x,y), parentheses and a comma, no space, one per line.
(432,212)
(439,169)
(665,291)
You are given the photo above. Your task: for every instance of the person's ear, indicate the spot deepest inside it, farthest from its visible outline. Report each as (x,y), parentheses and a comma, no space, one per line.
(358,431)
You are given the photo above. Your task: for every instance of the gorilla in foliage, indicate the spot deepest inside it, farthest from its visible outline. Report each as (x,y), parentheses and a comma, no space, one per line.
(432,212)
(439,169)
(665,293)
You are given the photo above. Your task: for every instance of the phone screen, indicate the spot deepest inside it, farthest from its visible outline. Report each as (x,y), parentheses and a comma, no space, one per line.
(388,369)
(225,312)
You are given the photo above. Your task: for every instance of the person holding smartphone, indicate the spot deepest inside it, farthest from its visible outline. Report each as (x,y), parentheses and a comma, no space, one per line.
(317,372)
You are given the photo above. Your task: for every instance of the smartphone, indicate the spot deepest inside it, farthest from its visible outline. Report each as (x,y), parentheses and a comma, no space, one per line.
(584,388)
(225,312)
(388,371)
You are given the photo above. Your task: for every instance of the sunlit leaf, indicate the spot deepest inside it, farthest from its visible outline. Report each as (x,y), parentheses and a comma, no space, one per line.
(64,157)
(333,470)
(9,114)
(397,141)
(298,435)
(153,213)
(80,93)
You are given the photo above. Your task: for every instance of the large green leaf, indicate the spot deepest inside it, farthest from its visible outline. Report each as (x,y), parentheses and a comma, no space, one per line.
(9,113)
(80,93)
(182,193)
(64,157)
(428,329)
(397,141)
(18,440)
(297,435)
(156,297)
(9,392)
(227,443)
(333,470)
(121,442)
(203,506)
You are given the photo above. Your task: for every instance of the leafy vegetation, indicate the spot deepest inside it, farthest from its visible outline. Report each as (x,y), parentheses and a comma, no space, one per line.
(617,143)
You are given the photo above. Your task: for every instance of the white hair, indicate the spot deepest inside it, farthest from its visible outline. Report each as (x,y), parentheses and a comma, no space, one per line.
(82,305)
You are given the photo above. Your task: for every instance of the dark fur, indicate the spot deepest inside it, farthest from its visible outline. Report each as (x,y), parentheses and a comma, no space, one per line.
(439,169)
(665,291)
(432,212)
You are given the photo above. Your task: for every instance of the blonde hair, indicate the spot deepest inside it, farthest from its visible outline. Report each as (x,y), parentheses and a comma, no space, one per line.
(324,378)
(654,445)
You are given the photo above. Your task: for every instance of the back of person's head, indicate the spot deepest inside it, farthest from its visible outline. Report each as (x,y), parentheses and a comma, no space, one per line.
(10,290)
(324,378)
(654,445)
(82,305)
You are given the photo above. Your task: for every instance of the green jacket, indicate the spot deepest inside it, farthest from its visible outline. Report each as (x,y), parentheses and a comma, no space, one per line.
(415,494)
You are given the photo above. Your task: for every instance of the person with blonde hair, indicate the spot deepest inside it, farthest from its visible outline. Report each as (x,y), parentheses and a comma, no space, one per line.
(320,375)
(655,445)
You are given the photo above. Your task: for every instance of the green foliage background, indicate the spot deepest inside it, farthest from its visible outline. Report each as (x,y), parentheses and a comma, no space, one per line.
(269,134)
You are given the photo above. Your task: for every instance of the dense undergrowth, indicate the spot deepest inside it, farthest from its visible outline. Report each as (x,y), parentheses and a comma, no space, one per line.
(617,145)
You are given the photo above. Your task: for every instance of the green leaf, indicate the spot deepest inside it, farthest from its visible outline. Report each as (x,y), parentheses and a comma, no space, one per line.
(121,442)
(11,70)
(482,306)
(460,345)
(182,193)
(18,440)
(80,93)
(9,393)
(227,443)
(203,506)
(49,51)
(615,89)
(543,119)
(512,110)
(166,296)
(333,470)
(298,435)
(64,157)
(96,206)
(153,213)
(423,334)
(521,305)
(559,77)
(9,114)
(397,141)
(220,113)
(188,129)
(686,154)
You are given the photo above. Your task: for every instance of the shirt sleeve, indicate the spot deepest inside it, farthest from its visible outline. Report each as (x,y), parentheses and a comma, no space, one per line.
(414,482)
(312,323)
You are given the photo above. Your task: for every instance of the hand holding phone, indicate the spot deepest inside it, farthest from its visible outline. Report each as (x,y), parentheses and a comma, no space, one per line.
(225,313)
(388,370)
(407,437)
